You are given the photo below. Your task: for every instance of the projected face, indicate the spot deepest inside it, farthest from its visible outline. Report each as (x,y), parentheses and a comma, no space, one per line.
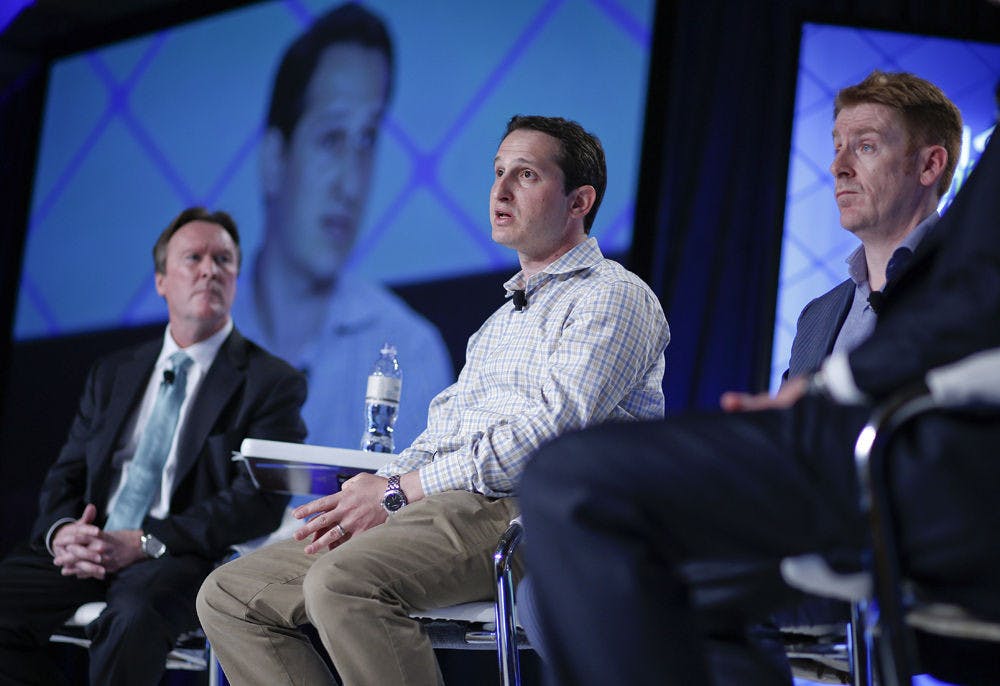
(199,282)
(528,208)
(320,180)
(877,185)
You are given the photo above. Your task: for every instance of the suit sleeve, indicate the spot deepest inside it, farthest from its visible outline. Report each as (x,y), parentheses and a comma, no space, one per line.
(946,305)
(64,490)
(237,511)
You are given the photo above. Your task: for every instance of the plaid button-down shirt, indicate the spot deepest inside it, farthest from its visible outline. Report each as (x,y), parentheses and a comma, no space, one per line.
(588,347)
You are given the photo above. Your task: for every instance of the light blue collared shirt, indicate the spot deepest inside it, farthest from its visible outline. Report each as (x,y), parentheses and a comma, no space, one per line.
(860,321)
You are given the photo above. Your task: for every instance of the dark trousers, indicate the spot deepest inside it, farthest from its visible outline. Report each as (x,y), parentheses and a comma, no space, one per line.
(150,603)
(655,547)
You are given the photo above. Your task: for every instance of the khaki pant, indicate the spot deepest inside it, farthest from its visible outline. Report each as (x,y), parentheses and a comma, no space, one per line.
(432,553)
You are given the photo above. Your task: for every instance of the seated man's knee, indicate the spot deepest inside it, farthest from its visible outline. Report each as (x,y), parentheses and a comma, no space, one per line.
(208,597)
(219,594)
(334,580)
(131,617)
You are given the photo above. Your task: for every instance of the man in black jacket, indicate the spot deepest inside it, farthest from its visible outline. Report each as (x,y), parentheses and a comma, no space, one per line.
(136,514)
(623,556)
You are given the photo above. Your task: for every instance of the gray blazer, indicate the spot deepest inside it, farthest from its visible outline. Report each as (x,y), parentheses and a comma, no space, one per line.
(817,329)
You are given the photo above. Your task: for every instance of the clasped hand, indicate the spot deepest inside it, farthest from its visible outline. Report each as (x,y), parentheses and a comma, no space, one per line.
(83,550)
(357,507)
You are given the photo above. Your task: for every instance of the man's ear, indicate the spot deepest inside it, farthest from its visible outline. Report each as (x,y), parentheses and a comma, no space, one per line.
(158,280)
(583,200)
(933,160)
(272,162)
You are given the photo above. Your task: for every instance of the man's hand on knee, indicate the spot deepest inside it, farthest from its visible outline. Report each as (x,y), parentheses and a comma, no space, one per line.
(787,395)
(357,507)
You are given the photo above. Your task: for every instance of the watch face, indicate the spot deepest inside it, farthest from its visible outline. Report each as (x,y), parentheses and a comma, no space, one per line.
(393,501)
(153,547)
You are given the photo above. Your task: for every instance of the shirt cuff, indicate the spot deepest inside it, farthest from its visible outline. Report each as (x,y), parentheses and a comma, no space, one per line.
(52,531)
(838,379)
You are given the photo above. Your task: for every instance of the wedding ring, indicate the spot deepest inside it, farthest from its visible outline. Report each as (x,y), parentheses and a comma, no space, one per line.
(340,530)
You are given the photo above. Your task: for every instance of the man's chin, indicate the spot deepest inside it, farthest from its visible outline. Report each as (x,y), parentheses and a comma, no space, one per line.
(502,236)
(323,274)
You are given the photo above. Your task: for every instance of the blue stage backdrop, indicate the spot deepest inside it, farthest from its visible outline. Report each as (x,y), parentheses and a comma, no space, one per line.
(814,245)
(137,130)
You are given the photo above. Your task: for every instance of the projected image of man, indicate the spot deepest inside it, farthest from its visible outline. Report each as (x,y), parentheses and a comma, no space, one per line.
(328,101)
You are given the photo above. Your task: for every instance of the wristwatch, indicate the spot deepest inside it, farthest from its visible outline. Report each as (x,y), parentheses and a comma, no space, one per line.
(152,546)
(394,499)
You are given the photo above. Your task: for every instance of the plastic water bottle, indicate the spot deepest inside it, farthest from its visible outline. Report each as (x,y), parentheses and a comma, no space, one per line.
(382,402)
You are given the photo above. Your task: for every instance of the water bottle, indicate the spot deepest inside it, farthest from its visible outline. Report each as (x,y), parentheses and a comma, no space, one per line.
(382,402)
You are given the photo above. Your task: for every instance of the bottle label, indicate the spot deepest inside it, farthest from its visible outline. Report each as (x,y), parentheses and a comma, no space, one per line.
(383,389)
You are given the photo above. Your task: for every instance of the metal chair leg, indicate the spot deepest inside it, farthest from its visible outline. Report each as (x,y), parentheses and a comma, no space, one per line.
(860,644)
(510,669)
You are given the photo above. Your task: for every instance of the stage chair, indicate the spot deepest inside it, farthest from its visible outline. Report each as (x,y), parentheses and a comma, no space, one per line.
(469,626)
(887,608)
(190,653)
(485,625)
(302,469)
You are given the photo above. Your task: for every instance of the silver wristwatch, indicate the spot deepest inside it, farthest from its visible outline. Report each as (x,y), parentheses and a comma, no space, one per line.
(152,546)
(394,499)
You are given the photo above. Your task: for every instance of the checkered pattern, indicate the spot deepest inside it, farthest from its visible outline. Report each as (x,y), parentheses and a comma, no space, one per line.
(588,347)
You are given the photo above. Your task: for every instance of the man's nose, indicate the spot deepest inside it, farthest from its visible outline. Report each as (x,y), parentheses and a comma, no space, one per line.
(208,267)
(841,163)
(501,188)
(348,180)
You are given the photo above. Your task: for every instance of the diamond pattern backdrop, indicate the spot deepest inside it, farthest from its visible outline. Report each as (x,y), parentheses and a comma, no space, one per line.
(136,131)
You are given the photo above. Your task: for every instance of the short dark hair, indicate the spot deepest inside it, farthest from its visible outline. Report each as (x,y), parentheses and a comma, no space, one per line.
(348,23)
(193,214)
(581,156)
(929,116)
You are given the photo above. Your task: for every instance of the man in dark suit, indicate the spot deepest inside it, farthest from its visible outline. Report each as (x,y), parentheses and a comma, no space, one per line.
(751,488)
(845,315)
(144,498)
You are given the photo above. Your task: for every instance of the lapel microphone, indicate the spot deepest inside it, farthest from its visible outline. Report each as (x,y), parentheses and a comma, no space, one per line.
(168,376)
(520,300)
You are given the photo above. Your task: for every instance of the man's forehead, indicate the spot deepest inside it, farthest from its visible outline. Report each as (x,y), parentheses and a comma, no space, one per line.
(199,232)
(527,146)
(348,73)
(867,118)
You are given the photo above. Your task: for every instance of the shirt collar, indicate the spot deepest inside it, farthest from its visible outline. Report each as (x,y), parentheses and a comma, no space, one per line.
(857,266)
(581,256)
(203,352)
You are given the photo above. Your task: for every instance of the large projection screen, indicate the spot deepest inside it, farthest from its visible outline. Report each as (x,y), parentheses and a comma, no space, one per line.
(137,130)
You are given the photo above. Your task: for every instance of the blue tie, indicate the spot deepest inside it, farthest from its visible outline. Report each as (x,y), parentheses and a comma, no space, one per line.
(146,469)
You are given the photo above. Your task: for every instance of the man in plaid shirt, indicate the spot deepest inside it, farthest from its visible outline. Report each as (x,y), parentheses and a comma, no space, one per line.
(582,342)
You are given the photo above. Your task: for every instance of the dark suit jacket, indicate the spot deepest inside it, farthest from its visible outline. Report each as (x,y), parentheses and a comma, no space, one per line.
(246,393)
(817,329)
(945,304)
